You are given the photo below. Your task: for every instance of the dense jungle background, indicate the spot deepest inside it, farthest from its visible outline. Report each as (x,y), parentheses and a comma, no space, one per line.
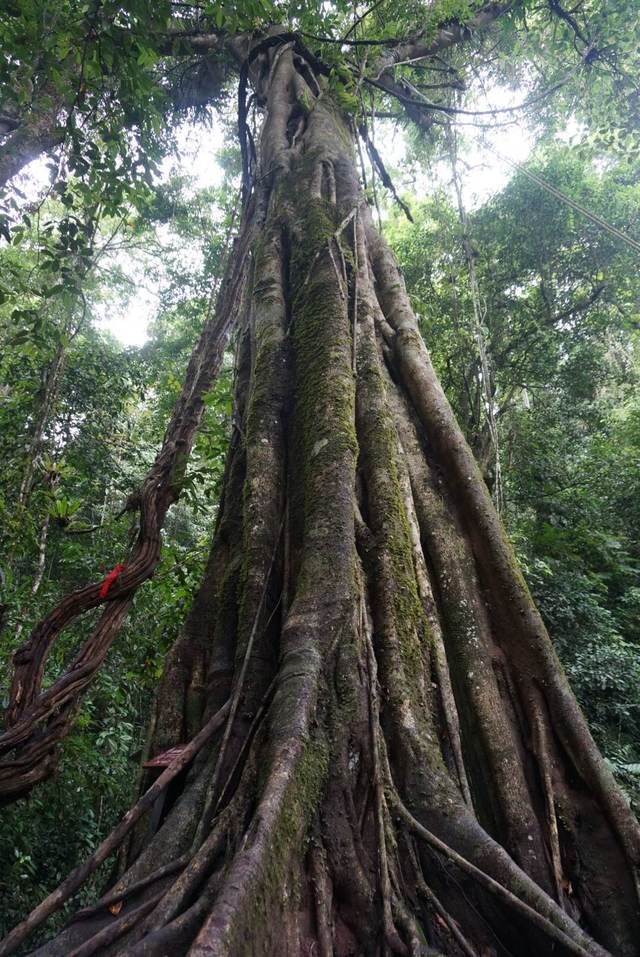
(531,310)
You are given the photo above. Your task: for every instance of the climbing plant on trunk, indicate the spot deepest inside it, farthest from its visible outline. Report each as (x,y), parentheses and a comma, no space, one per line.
(384,754)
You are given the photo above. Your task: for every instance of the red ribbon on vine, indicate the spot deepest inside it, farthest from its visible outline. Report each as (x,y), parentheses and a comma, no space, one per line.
(109,580)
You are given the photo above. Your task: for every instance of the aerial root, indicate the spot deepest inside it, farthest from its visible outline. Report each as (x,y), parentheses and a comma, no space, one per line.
(402,898)
(212,790)
(116,897)
(391,935)
(253,728)
(542,751)
(495,887)
(407,923)
(322,894)
(456,933)
(199,868)
(116,929)
(431,897)
(54,901)
(425,589)
(171,913)
(177,935)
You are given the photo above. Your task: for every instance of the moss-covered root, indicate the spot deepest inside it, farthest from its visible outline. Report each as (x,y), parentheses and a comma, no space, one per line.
(418,766)
(264,439)
(515,622)
(491,729)
(546,794)
(515,616)
(320,616)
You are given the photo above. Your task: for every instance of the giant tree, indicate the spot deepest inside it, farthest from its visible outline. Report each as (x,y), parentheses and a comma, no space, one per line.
(383,755)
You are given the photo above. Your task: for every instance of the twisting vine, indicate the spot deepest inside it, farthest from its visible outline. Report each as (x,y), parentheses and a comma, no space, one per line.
(37,721)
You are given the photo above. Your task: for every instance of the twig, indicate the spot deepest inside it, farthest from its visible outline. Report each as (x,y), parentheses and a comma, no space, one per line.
(454,110)
(359,19)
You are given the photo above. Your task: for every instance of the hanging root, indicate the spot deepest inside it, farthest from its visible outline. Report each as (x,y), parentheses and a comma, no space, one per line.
(113,931)
(424,889)
(322,896)
(109,900)
(542,750)
(495,887)
(390,933)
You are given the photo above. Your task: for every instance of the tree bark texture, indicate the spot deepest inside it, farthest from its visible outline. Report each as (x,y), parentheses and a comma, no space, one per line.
(402,767)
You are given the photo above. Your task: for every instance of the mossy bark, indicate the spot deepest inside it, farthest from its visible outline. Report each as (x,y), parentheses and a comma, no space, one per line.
(363,613)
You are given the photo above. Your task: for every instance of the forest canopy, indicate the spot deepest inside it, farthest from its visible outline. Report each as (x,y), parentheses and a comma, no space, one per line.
(321,546)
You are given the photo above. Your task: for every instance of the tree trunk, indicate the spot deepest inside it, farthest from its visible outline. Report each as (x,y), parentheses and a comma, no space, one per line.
(47,399)
(38,132)
(402,767)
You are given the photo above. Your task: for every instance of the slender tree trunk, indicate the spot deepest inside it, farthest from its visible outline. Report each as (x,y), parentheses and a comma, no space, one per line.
(50,388)
(37,133)
(49,396)
(402,767)
(40,568)
(487,439)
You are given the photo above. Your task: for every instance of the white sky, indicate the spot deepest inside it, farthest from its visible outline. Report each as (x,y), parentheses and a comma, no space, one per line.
(197,148)
(483,175)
